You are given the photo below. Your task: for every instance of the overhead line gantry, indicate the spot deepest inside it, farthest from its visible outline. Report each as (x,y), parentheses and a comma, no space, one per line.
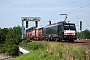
(27,19)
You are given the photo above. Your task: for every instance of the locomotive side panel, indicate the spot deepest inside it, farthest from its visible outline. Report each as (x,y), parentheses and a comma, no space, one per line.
(50,32)
(60,31)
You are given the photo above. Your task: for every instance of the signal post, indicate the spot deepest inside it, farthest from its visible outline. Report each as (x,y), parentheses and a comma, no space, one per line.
(81,30)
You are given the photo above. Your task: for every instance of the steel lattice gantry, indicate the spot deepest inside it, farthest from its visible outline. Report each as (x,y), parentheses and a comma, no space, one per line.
(27,19)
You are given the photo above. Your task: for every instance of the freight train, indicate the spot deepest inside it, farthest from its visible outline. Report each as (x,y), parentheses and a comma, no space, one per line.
(60,31)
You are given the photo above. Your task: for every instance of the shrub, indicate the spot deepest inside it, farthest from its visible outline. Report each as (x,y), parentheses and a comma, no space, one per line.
(34,46)
(11,49)
(24,42)
(1,49)
(30,45)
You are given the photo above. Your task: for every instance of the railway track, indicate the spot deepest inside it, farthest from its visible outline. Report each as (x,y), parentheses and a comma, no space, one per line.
(75,41)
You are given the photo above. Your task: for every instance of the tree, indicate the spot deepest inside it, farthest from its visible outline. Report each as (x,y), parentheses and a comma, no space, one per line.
(10,39)
(11,49)
(77,34)
(3,33)
(14,35)
(86,34)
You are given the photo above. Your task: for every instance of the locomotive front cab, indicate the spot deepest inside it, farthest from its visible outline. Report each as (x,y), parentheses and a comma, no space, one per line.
(69,31)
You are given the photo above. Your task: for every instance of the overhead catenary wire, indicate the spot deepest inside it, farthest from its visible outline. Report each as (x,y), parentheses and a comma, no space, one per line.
(62,9)
(84,15)
(71,10)
(79,8)
(80,15)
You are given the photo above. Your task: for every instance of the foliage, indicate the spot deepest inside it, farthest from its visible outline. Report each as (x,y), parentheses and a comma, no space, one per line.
(85,34)
(14,35)
(58,50)
(2,49)
(11,49)
(9,40)
(31,45)
(24,42)
(3,33)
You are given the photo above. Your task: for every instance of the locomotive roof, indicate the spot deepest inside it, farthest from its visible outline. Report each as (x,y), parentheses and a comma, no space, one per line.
(31,28)
(59,24)
(69,23)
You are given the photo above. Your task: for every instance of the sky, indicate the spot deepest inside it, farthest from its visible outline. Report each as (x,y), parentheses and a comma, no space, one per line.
(11,12)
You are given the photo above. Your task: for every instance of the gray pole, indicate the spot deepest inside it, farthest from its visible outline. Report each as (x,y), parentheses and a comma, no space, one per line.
(22,29)
(81,34)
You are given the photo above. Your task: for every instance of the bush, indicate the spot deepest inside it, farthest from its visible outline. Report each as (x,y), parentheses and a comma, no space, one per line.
(34,46)
(1,49)
(24,42)
(30,45)
(9,40)
(10,49)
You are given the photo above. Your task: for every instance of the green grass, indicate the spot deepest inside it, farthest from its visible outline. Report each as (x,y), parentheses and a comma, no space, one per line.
(38,55)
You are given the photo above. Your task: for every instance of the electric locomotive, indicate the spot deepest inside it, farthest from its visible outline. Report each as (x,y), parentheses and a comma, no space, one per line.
(60,31)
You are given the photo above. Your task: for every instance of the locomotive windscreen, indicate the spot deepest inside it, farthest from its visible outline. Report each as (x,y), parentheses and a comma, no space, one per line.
(69,27)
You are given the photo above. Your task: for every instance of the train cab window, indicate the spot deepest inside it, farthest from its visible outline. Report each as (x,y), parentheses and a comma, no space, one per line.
(69,26)
(72,27)
(66,27)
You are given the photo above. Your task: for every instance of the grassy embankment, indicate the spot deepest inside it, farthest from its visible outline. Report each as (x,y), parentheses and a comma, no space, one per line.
(52,51)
